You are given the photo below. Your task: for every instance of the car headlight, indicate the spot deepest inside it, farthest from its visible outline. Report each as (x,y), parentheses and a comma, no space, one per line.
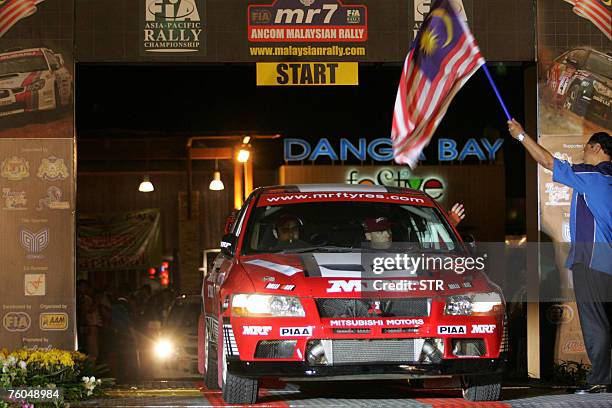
(163,349)
(476,303)
(602,89)
(36,85)
(256,305)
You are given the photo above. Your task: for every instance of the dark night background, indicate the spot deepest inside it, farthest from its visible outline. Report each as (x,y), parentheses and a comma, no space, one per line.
(176,101)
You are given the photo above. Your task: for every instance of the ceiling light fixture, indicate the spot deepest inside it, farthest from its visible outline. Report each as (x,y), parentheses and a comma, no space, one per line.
(216,184)
(146,186)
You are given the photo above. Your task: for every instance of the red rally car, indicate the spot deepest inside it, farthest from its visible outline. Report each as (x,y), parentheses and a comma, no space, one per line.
(306,287)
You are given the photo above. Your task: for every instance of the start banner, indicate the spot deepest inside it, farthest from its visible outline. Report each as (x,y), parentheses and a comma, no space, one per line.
(307,73)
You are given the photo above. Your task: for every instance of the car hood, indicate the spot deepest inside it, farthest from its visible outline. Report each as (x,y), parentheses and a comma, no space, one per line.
(18,80)
(342,275)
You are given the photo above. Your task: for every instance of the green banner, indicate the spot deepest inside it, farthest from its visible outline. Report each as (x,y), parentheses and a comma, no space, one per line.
(129,240)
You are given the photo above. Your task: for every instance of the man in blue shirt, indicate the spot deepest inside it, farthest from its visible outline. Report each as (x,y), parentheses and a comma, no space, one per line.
(590,256)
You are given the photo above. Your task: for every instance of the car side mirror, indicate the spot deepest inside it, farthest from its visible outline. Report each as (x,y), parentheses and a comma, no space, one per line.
(228,244)
(229,222)
(60,59)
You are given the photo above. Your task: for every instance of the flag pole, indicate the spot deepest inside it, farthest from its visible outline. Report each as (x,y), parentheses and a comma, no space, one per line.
(503,105)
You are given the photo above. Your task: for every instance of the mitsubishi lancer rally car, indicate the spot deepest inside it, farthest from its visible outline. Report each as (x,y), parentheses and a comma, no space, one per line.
(34,79)
(297,293)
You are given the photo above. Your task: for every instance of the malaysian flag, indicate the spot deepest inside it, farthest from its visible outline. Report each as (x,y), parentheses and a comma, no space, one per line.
(11,11)
(598,12)
(442,58)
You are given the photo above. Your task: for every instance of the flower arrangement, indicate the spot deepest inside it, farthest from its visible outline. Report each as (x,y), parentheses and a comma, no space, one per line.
(70,371)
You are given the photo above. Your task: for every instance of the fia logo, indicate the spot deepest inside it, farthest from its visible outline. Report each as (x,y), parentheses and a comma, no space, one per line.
(16,321)
(353,16)
(35,284)
(171,10)
(34,243)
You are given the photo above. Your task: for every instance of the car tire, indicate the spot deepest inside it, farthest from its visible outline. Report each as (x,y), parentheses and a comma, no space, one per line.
(481,388)
(211,372)
(237,390)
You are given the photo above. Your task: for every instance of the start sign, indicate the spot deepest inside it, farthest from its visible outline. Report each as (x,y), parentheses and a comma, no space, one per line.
(307,73)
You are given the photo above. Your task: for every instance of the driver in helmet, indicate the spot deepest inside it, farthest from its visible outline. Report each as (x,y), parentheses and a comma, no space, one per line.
(287,230)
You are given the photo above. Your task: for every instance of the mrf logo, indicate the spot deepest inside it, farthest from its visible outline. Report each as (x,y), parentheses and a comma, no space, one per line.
(296,331)
(172,26)
(483,328)
(256,330)
(452,330)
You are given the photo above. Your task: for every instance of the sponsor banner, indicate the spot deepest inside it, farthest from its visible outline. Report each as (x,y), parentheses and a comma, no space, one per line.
(574,101)
(119,241)
(172,27)
(36,149)
(307,21)
(37,246)
(307,73)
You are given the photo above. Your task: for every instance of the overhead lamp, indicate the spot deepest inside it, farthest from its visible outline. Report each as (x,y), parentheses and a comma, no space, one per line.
(216,184)
(146,186)
(243,155)
(246,140)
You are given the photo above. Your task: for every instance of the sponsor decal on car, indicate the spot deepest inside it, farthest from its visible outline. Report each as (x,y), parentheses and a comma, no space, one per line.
(296,331)
(483,328)
(256,330)
(284,269)
(452,330)
(375,322)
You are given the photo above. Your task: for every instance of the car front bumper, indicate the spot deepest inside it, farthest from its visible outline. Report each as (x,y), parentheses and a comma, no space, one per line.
(303,370)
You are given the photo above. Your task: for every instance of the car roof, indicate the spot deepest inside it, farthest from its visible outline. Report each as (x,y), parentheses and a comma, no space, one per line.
(338,187)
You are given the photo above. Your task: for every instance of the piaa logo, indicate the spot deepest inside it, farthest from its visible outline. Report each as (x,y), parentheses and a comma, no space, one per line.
(171,10)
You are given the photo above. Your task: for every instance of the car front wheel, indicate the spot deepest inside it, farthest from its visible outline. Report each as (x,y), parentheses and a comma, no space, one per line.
(237,390)
(211,372)
(481,388)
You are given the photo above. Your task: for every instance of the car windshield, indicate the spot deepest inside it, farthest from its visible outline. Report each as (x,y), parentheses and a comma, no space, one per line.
(23,64)
(599,64)
(183,315)
(346,226)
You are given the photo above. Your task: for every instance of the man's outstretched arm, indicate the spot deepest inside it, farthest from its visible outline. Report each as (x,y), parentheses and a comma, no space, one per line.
(539,154)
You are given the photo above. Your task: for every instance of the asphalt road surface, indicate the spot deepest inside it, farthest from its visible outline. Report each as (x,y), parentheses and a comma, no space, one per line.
(341,394)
